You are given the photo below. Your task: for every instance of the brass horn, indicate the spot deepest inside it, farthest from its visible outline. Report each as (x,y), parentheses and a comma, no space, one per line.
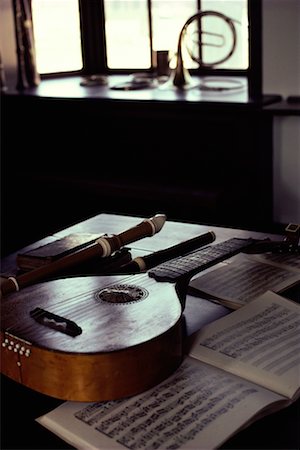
(181,74)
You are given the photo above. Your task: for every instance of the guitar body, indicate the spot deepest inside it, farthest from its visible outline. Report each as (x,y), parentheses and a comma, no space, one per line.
(92,338)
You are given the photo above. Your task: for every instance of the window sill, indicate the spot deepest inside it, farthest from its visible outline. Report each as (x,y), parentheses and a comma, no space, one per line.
(165,93)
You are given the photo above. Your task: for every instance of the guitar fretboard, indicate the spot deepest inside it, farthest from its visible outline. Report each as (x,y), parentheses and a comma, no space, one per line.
(198,260)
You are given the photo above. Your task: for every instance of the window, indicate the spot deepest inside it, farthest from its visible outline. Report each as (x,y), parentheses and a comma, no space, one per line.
(57,35)
(130,35)
(110,36)
(127,34)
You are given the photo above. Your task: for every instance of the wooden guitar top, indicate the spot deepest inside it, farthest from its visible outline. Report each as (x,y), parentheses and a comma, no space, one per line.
(92,338)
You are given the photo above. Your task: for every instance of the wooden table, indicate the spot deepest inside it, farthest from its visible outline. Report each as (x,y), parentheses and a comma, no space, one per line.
(20,405)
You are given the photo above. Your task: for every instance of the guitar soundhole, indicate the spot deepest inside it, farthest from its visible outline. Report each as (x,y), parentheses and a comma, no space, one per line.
(122,293)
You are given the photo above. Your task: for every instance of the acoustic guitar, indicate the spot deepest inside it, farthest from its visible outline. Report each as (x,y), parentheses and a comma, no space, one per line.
(97,338)
(92,338)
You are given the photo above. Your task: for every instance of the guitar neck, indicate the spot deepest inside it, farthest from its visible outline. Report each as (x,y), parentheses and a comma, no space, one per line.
(184,267)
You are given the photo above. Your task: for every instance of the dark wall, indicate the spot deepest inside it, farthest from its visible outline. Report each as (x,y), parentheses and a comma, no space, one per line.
(66,160)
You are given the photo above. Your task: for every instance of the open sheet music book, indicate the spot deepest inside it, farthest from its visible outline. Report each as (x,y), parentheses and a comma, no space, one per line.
(238,369)
(244,277)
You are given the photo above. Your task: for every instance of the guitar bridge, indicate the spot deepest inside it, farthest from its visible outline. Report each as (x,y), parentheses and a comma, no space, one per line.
(55,322)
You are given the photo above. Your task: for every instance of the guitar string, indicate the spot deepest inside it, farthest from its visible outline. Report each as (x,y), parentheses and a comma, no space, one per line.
(58,307)
(23,330)
(132,280)
(62,307)
(18,326)
(146,281)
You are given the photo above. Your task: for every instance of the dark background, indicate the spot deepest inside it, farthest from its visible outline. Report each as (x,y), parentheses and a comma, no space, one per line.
(64,160)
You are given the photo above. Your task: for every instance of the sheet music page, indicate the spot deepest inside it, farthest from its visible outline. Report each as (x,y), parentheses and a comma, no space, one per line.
(287,260)
(198,407)
(245,277)
(260,342)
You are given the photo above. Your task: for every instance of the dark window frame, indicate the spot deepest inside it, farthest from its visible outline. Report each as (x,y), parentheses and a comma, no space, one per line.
(93,45)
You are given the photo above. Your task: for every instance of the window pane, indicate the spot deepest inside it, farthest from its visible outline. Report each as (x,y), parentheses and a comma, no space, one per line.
(127,34)
(57,35)
(168,17)
(237,11)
